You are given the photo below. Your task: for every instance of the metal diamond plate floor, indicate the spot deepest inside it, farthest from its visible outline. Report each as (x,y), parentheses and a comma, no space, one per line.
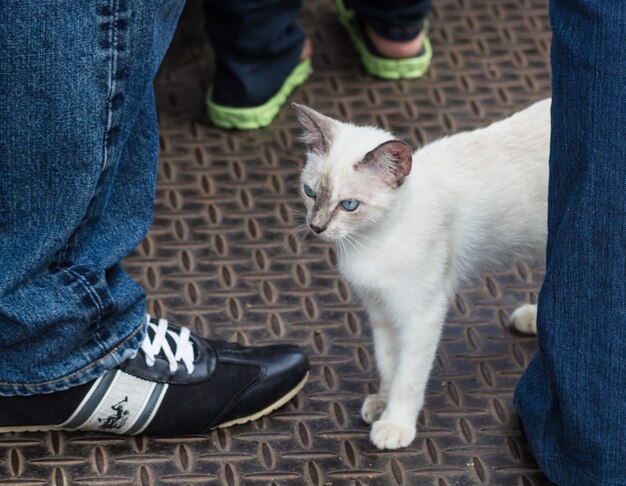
(220,258)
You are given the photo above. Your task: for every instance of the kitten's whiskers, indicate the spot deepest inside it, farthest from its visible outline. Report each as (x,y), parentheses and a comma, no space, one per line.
(364,236)
(297,232)
(353,243)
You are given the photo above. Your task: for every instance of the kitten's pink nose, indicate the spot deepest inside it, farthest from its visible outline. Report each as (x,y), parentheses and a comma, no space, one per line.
(317,229)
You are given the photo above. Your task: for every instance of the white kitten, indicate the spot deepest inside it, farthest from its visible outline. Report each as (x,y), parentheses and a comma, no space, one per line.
(411,228)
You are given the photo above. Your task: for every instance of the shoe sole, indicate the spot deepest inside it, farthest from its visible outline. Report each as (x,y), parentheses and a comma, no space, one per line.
(242,420)
(266,411)
(260,116)
(30,428)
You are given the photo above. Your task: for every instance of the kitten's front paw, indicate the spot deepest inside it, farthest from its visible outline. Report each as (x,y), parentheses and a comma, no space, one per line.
(387,435)
(524,319)
(373,407)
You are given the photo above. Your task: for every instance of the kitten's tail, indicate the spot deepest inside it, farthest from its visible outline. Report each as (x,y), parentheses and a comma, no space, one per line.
(524,319)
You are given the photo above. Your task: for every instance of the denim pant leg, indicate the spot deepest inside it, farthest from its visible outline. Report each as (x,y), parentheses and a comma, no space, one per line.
(257,44)
(399,20)
(572,397)
(78,155)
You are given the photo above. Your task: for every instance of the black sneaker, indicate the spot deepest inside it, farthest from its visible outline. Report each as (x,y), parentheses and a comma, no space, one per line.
(177,383)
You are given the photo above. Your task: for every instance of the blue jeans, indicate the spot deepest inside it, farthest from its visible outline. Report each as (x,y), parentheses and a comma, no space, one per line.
(572,397)
(78,153)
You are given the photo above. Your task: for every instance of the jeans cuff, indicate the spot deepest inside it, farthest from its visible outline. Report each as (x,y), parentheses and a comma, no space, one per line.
(124,350)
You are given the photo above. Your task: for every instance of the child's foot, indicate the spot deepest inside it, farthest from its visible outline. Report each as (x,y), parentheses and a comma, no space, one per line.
(395,49)
(307,49)
(382,57)
(253,117)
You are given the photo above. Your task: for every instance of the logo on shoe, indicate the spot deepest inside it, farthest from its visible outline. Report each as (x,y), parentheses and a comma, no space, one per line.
(116,420)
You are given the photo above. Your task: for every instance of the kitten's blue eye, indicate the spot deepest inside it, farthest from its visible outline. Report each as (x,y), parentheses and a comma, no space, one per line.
(309,192)
(350,204)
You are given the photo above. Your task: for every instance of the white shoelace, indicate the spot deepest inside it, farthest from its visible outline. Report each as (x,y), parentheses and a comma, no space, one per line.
(184,348)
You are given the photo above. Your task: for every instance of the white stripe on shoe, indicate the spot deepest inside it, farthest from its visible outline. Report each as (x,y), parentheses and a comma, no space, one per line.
(150,410)
(91,400)
(118,402)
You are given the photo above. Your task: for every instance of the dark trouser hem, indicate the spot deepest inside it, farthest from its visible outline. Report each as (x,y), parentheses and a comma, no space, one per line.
(396,20)
(257,44)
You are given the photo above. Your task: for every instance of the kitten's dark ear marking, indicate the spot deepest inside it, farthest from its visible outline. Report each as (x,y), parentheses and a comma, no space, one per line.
(317,129)
(391,161)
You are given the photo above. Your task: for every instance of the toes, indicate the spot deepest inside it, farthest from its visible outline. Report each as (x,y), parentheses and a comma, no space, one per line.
(387,435)
(373,407)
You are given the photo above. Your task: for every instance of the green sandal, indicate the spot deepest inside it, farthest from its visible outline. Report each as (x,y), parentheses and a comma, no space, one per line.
(262,115)
(383,67)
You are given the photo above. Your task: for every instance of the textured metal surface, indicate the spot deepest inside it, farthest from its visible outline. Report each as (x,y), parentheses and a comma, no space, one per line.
(219,258)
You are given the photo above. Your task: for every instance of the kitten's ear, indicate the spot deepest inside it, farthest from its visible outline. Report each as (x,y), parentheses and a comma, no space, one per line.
(318,129)
(391,161)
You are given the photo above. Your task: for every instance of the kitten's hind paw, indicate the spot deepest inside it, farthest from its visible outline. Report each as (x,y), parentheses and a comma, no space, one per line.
(524,319)
(373,407)
(387,435)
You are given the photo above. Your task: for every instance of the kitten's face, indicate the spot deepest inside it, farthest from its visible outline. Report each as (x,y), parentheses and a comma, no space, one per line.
(351,174)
